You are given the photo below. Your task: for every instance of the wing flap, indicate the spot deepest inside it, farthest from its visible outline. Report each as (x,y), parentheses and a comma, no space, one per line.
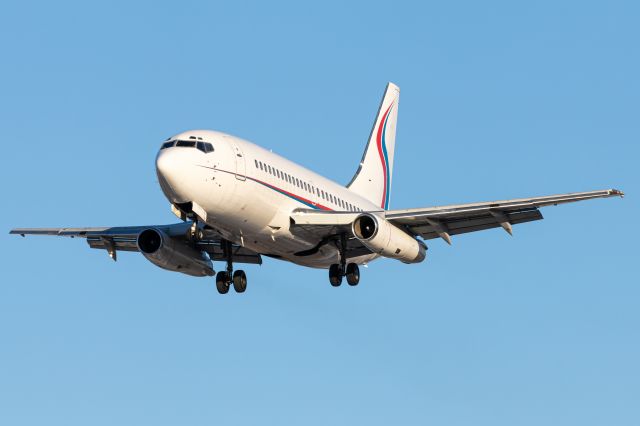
(240,254)
(457,226)
(119,244)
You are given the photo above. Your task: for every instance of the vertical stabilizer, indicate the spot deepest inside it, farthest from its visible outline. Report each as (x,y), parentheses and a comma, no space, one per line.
(373,178)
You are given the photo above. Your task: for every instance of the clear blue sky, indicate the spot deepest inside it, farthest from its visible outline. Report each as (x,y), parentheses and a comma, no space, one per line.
(499,100)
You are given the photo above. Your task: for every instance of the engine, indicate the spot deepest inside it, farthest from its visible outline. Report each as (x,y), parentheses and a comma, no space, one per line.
(167,253)
(385,239)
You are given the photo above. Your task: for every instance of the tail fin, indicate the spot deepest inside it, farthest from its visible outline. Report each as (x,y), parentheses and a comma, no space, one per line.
(373,178)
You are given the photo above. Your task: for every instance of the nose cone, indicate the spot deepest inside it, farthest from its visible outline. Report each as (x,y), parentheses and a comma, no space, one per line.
(171,170)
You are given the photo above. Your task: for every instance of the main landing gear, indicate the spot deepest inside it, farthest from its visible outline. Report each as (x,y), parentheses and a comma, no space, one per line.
(224,279)
(342,269)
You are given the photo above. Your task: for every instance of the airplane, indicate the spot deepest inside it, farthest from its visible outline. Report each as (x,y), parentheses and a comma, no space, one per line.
(238,202)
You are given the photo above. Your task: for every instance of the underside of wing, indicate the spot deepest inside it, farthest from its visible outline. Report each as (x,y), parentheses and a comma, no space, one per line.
(239,254)
(444,226)
(443,222)
(125,238)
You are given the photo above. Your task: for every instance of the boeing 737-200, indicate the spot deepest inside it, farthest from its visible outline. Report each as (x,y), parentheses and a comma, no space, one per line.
(239,202)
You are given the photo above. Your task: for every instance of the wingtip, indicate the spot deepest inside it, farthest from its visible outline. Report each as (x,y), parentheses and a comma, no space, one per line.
(616,192)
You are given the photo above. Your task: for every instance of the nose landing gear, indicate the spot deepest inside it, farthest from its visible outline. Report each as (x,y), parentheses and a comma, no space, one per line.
(225,279)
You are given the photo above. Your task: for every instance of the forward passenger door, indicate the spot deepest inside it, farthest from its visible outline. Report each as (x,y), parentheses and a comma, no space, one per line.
(241,173)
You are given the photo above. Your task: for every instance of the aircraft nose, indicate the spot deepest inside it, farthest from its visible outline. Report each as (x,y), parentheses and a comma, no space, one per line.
(164,164)
(169,168)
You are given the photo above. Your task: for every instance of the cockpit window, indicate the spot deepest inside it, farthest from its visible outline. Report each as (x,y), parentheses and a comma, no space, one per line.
(187,144)
(205,147)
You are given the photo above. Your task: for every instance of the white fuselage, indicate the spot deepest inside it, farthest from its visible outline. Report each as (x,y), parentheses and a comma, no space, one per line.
(248,193)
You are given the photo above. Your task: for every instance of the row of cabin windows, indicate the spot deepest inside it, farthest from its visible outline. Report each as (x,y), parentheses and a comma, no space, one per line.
(305,185)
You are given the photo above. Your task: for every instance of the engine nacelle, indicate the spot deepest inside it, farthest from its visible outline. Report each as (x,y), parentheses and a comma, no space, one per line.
(167,253)
(385,239)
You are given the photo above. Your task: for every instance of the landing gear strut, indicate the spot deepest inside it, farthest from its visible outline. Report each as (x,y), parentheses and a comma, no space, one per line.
(195,233)
(342,269)
(224,279)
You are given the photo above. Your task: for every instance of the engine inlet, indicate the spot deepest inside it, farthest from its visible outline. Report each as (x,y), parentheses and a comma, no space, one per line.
(149,241)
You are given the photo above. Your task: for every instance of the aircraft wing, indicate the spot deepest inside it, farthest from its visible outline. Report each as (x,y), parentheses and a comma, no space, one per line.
(124,238)
(445,221)
(442,222)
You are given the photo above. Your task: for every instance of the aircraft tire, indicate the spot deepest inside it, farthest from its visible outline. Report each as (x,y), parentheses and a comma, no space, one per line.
(222,282)
(239,281)
(335,275)
(353,274)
